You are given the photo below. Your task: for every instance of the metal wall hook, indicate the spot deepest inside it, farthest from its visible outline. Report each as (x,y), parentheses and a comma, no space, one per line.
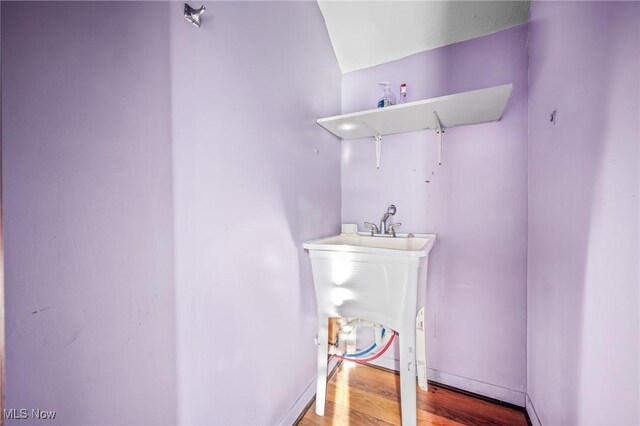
(193,15)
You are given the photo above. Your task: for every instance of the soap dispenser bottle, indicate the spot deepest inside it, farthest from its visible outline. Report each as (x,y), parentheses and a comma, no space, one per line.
(388,97)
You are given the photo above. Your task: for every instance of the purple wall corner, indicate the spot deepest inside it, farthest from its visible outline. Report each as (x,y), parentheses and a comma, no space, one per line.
(583,279)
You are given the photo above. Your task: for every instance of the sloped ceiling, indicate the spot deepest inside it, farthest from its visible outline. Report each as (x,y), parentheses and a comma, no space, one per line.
(367,33)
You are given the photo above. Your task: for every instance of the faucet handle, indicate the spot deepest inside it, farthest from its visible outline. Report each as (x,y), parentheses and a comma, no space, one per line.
(373,226)
(393,227)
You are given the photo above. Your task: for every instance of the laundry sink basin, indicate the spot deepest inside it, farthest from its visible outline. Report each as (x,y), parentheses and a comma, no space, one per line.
(374,278)
(403,245)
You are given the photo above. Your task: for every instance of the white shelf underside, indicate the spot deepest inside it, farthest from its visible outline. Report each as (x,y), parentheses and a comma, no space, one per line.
(477,106)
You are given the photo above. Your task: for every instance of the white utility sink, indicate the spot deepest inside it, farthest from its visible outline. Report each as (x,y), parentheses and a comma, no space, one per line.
(375,279)
(416,246)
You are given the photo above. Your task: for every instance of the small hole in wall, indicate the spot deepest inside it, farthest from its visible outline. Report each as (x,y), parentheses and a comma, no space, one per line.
(553,117)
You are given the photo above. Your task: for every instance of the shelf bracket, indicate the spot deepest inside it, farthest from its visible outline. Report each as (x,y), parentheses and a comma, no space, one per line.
(439,133)
(377,137)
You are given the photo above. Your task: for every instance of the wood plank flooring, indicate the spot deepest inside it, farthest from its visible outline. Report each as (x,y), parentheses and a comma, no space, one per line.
(362,395)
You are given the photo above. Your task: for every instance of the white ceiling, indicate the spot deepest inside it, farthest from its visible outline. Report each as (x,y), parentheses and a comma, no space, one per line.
(366,33)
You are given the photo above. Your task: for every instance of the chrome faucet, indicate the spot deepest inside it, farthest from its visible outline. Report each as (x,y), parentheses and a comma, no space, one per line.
(391,210)
(384,229)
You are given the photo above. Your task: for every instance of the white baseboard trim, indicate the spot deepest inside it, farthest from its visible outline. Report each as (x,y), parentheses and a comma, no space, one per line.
(306,397)
(470,385)
(531,412)
(388,363)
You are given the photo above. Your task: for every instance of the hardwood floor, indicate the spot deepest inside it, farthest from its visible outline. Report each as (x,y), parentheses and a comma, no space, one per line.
(362,395)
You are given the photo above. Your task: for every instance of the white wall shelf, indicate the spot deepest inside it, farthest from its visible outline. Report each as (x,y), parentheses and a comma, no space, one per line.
(474,107)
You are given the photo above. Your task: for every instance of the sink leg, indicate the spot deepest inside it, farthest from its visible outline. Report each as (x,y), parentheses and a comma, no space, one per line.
(321,379)
(408,376)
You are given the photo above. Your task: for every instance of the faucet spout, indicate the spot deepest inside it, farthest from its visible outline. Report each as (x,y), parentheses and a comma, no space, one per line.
(391,210)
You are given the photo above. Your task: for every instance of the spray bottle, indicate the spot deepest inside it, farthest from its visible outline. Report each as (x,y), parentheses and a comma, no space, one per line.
(388,97)
(403,93)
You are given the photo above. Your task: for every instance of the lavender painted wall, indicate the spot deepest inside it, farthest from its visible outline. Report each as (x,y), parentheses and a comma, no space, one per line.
(88,211)
(583,321)
(134,142)
(249,189)
(476,202)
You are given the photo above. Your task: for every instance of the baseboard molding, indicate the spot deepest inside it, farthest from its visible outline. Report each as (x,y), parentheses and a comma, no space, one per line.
(306,398)
(531,412)
(470,385)
(388,363)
